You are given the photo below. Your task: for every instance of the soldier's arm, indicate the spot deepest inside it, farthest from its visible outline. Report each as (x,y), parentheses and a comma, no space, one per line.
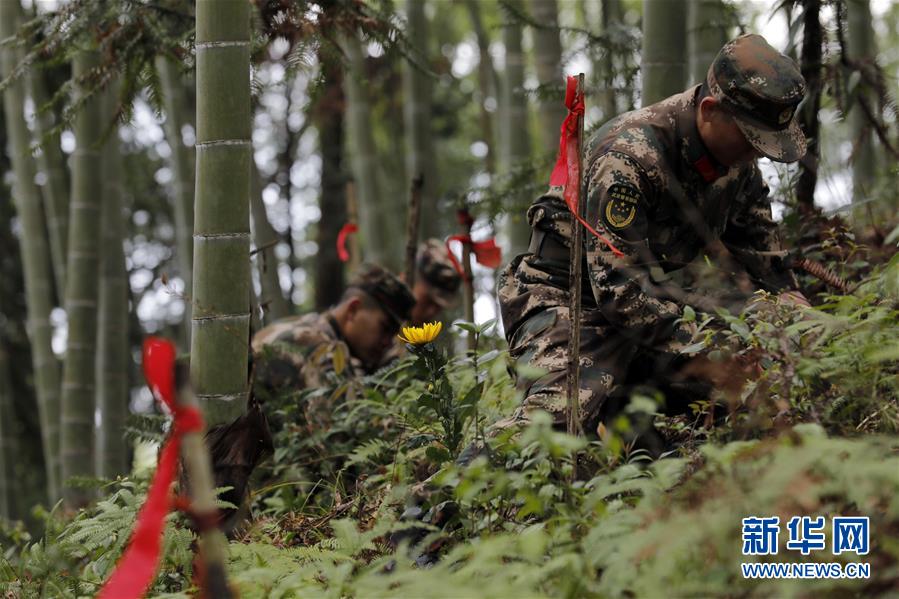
(751,235)
(619,200)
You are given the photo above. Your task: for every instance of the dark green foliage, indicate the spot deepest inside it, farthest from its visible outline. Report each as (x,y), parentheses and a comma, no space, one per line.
(329,500)
(75,557)
(129,34)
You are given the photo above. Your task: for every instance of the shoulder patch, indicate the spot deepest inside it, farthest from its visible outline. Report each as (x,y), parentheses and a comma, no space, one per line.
(622,205)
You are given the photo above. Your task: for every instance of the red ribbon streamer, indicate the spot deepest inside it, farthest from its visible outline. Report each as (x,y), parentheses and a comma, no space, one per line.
(567,167)
(137,567)
(345,231)
(486,252)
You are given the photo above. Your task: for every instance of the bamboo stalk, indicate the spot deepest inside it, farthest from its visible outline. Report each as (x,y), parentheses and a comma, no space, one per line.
(112,315)
(7,447)
(417,115)
(271,299)
(412,228)
(380,235)
(82,274)
(35,259)
(221,278)
(664,59)
(574,284)
(548,65)
(55,190)
(706,33)
(182,181)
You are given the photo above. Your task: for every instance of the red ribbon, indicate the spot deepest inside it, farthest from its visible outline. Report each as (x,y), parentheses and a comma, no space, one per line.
(345,231)
(464,218)
(485,252)
(568,166)
(137,567)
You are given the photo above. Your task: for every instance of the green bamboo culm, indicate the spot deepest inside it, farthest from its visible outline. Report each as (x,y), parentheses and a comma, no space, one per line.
(82,283)
(35,258)
(183,179)
(275,305)
(664,62)
(221,277)
(112,319)
(862,51)
(7,445)
(548,63)
(417,100)
(515,139)
(55,189)
(363,159)
(707,32)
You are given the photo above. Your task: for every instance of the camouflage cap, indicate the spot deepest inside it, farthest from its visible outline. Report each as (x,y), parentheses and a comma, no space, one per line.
(391,294)
(436,269)
(761,88)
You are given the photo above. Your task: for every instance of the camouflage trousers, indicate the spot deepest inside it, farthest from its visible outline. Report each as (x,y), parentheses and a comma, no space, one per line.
(612,364)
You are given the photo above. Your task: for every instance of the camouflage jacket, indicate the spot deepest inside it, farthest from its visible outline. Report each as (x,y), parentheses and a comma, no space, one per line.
(658,196)
(301,352)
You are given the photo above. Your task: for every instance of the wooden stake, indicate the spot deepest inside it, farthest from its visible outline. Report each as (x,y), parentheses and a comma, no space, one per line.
(466,223)
(352,213)
(195,455)
(575,285)
(412,228)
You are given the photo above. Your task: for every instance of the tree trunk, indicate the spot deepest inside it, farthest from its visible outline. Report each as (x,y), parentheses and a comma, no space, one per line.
(286,161)
(271,299)
(328,117)
(707,32)
(35,260)
(862,53)
(112,318)
(488,82)
(417,121)
(516,139)
(548,59)
(812,47)
(611,17)
(221,282)
(78,379)
(183,178)
(664,62)
(55,190)
(7,447)
(374,221)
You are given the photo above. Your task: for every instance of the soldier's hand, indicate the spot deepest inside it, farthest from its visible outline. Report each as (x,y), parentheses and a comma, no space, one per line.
(794,297)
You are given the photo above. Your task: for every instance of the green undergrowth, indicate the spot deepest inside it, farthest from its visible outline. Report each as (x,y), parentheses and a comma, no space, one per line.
(804,422)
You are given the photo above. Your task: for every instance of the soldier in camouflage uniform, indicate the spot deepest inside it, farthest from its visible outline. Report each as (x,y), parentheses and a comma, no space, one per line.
(350,339)
(436,288)
(663,182)
(437,283)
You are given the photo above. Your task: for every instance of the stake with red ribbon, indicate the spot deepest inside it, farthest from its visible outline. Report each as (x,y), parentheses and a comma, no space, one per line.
(137,567)
(345,231)
(486,252)
(567,171)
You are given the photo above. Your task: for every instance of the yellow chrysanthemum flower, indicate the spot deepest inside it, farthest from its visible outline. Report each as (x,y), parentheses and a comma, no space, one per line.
(421,335)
